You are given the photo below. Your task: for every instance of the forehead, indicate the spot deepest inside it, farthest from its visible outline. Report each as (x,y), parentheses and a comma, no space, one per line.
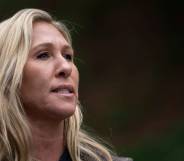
(44,32)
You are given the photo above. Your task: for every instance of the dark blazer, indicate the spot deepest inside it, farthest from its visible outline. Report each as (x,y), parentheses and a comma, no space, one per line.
(85,157)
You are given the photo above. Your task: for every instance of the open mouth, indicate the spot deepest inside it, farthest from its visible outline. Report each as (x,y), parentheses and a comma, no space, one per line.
(63,90)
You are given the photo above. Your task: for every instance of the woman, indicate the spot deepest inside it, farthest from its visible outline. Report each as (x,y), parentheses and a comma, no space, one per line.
(40,116)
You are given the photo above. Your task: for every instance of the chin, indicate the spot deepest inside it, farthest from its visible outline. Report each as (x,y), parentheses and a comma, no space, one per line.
(65,112)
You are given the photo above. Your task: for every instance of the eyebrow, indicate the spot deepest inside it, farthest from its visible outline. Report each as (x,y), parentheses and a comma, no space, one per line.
(49,44)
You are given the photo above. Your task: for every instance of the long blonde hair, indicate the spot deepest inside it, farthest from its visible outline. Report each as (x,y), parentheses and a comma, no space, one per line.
(15,135)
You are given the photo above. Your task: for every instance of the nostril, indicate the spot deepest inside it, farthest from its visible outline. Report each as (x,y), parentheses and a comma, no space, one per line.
(62,74)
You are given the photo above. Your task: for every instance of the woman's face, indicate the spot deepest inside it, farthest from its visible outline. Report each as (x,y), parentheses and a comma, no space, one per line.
(50,78)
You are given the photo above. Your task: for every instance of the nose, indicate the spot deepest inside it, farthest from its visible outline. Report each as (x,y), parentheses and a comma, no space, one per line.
(63,67)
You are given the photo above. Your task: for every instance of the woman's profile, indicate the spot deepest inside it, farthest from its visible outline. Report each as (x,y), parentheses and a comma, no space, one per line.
(40,116)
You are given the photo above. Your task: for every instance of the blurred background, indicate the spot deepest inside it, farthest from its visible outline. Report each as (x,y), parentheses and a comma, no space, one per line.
(129,54)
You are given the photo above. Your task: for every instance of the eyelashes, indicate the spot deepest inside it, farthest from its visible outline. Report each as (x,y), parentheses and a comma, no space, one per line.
(68,57)
(45,55)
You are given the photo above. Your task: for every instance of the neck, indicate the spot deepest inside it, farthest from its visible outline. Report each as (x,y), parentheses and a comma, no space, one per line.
(47,139)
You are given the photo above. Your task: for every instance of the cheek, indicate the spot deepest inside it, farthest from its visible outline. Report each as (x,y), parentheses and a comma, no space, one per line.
(75,75)
(34,81)
(37,73)
(75,78)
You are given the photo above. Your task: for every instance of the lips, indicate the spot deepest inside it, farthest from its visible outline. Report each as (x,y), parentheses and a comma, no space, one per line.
(63,89)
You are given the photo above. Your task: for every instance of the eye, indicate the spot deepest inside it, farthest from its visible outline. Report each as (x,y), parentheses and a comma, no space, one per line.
(68,57)
(43,55)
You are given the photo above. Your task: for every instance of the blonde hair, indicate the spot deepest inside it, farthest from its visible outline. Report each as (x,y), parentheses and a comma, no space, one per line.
(15,135)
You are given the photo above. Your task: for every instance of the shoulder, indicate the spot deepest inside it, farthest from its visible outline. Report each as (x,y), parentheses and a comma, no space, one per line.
(115,158)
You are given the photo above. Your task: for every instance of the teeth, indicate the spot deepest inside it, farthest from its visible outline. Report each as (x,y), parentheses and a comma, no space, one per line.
(64,91)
